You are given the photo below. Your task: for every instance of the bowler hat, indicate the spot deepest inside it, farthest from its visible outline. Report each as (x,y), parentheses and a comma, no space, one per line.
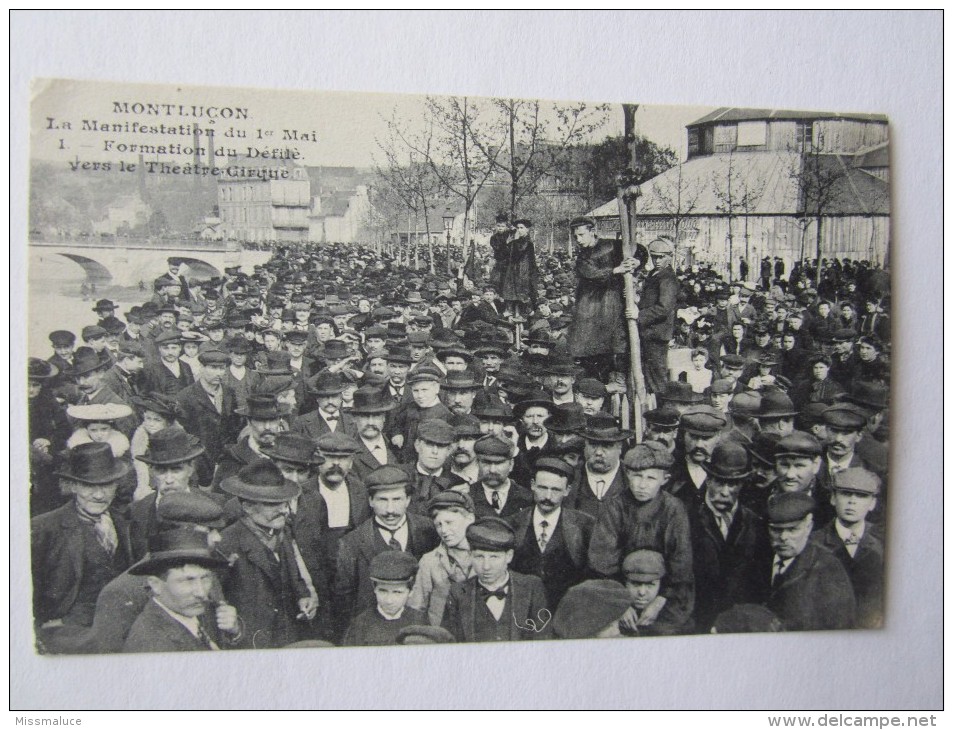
(665,417)
(491,534)
(92,463)
(87,361)
(105,305)
(776,404)
(295,449)
(238,345)
(536,399)
(566,418)
(590,606)
(643,566)
(745,404)
(763,446)
(492,348)
(845,416)
(490,407)
(787,507)
(729,461)
(604,428)
(465,426)
(369,400)
(173,445)
(175,548)
(326,384)
(335,350)
(871,396)
(722,386)
(461,381)
(399,354)
(260,481)
(263,408)
(38,369)
(277,362)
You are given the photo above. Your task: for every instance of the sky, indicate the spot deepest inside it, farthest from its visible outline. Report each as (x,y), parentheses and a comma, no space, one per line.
(346,125)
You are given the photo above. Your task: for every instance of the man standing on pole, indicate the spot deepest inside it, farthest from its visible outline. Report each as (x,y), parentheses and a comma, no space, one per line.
(597,334)
(657,314)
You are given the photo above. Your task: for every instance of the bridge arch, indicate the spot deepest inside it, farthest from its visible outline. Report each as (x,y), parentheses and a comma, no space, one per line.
(201,270)
(95,271)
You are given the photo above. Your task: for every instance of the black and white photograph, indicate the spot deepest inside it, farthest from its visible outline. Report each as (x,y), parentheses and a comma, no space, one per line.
(318,369)
(325,376)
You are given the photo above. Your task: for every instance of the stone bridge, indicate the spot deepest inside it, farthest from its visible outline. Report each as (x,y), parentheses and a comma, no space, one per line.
(126,262)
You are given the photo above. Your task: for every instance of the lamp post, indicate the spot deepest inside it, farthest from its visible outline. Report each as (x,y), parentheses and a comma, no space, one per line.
(448,226)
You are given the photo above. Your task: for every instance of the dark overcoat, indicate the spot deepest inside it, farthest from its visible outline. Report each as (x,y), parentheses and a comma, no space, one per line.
(598,327)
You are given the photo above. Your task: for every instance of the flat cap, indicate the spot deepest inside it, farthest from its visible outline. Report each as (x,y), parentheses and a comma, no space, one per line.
(587,608)
(92,332)
(554,466)
(192,507)
(788,507)
(387,477)
(747,403)
(856,479)
(465,426)
(662,245)
(798,443)
(436,431)
(722,386)
(336,444)
(130,348)
(591,387)
(648,455)
(843,335)
(703,420)
(582,220)
(665,417)
(424,374)
(62,338)
(418,338)
(493,447)
(393,566)
(214,357)
(450,499)
(491,533)
(732,361)
(419,634)
(845,416)
(643,566)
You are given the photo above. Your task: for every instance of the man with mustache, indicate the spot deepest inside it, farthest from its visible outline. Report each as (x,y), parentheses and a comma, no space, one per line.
(327,387)
(80,547)
(168,375)
(463,464)
(552,541)
(392,527)
(208,408)
(495,494)
(369,414)
(702,428)
(601,477)
(806,586)
(727,538)
(532,411)
(458,392)
(661,425)
(89,372)
(797,463)
(263,414)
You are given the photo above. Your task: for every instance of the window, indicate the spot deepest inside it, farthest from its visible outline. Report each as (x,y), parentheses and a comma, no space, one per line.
(752,134)
(805,136)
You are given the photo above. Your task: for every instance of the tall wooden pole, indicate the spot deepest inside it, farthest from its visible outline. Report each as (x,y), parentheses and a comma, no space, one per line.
(636,380)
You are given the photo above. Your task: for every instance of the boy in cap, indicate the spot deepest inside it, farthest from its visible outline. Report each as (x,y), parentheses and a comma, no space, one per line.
(857,543)
(644,571)
(449,562)
(809,588)
(646,517)
(496,604)
(424,383)
(429,473)
(392,574)
(63,343)
(391,527)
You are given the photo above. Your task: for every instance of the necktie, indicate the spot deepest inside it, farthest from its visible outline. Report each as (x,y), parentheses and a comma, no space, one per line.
(851,539)
(600,488)
(486,594)
(722,525)
(778,571)
(204,638)
(392,543)
(495,500)
(106,533)
(543,537)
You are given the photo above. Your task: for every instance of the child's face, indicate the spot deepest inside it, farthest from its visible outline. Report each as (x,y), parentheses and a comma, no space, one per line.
(99,432)
(391,597)
(643,593)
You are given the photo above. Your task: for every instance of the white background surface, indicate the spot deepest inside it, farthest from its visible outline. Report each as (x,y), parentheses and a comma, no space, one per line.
(887,63)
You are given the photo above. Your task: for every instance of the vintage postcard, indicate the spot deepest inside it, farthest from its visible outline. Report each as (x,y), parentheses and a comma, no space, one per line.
(337,369)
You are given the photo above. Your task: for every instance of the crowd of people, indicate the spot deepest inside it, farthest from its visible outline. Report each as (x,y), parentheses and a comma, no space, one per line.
(335,449)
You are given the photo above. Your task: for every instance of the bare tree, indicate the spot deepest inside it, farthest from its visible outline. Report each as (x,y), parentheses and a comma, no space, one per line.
(540,140)
(738,192)
(677,197)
